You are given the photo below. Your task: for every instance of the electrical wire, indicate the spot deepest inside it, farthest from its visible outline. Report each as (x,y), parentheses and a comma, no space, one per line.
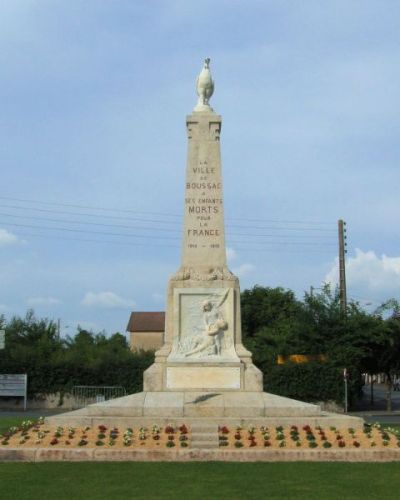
(145,228)
(165,214)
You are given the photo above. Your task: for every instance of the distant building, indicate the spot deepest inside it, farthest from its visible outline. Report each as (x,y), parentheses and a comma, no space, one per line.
(146,330)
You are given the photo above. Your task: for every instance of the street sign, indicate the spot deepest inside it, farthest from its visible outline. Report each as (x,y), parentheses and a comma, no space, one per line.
(2,339)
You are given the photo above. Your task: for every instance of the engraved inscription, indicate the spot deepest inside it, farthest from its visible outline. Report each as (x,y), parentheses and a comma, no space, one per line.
(203,201)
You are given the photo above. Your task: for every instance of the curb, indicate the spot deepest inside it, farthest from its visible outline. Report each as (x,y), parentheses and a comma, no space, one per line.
(195,455)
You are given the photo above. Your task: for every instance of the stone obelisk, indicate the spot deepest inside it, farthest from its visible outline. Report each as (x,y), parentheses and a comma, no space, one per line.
(203,347)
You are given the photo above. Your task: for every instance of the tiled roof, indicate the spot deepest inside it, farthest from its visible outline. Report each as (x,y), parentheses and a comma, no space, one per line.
(146,322)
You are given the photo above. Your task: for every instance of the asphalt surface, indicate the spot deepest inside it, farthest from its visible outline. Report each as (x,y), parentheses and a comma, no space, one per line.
(379,399)
(30,413)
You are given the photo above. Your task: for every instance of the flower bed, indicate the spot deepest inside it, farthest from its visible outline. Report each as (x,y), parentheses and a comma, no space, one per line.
(37,435)
(306,437)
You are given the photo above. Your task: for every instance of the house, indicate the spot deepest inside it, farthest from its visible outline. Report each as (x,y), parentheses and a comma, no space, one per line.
(146,330)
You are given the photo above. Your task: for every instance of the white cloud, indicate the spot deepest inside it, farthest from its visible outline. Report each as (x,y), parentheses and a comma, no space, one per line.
(43,301)
(243,270)
(373,277)
(7,238)
(107,300)
(230,254)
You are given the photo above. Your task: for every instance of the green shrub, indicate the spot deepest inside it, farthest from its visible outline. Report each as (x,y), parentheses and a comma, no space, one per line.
(311,382)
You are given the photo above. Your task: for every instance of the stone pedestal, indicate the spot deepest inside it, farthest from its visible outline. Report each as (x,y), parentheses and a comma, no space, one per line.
(203,347)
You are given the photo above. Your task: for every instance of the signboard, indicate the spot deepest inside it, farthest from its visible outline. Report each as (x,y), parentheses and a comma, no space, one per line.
(14,385)
(2,339)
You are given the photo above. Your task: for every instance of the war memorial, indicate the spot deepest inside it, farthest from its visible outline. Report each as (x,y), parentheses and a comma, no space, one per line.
(203,383)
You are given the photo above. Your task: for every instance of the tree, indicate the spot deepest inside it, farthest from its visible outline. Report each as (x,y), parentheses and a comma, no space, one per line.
(275,322)
(56,365)
(387,354)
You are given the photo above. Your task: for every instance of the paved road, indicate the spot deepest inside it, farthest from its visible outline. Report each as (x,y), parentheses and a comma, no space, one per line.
(383,419)
(379,399)
(29,413)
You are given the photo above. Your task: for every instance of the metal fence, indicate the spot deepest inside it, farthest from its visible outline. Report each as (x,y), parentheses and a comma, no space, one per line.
(88,394)
(14,385)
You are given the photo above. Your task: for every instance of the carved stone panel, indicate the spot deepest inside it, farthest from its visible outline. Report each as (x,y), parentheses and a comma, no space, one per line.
(204,325)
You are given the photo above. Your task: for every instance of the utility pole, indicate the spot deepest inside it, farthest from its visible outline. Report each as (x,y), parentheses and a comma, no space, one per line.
(342,268)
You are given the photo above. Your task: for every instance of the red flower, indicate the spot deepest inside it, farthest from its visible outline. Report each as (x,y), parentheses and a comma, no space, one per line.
(307,428)
(102,428)
(183,429)
(339,437)
(253,443)
(267,443)
(169,429)
(67,442)
(356,444)
(54,441)
(238,436)
(341,444)
(224,430)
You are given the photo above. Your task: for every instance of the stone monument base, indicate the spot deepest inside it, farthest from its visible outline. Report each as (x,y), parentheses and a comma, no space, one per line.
(203,409)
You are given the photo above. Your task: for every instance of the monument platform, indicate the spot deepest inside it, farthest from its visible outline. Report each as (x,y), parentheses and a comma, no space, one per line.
(196,408)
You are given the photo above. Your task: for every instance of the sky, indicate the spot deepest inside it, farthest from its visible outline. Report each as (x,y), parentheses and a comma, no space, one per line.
(94,97)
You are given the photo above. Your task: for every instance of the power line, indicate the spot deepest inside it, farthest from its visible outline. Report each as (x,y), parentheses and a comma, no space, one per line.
(286,243)
(136,219)
(146,228)
(89,231)
(129,235)
(135,243)
(89,240)
(284,228)
(89,207)
(63,212)
(89,223)
(166,214)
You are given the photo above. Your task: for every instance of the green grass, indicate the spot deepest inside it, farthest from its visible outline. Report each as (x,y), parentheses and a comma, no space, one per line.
(7,422)
(129,480)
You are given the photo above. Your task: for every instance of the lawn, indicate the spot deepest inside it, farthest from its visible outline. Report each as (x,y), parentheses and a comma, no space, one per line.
(7,422)
(199,480)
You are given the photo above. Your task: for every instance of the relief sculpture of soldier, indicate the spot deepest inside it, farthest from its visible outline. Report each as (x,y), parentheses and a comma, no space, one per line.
(210,341)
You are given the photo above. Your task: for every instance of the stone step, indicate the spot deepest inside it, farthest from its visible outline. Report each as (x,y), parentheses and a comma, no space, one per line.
(206,436)
(203,428)
(204,444)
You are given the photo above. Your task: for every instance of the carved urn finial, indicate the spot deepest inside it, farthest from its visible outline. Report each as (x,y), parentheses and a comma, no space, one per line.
(204,87)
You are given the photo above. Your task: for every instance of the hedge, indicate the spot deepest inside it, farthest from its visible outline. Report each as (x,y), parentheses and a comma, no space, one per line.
(311,382)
